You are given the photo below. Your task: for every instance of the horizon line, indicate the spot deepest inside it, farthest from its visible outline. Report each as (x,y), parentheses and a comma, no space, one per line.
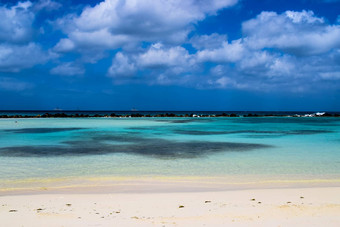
(70,110)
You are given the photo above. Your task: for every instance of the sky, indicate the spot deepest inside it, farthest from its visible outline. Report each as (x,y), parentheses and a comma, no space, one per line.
(274,55)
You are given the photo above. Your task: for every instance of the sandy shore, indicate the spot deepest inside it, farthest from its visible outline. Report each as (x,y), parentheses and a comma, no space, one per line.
(251,207)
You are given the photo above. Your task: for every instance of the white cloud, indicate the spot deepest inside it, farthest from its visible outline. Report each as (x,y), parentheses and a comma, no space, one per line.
(330,75)
(223,81)
(68,69)
(282,56)
(256,59)
(282,67)
(16,23)
(17,47)
(159,64)
(122,66)
(91,41)
(229,52)
(64,45)
(14,58)
(48,5)
(212,41)
(303,17)
(276,51)
(146,17)
(158,56)
(218,70)
(112,24)
(298,33)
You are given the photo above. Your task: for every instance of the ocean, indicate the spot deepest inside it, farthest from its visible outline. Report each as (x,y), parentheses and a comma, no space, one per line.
(33,151)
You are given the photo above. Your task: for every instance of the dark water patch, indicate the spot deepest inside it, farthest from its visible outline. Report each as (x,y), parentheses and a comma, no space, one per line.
(41,130)
(182,121)
(306,132)
(263,136)
(140,128)
(200,133)
(99,137)
(154,147)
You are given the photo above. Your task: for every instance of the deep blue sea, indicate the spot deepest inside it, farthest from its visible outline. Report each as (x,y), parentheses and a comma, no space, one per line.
(152,113)
(282,148)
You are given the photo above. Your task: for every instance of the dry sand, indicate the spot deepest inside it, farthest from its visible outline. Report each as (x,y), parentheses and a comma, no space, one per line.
(250,207)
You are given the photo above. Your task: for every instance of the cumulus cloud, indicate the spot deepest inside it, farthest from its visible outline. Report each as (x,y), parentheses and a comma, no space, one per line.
(48,5)
(156,42)
(64,45)
(158,64)
(158,56)
(229,52)
(212,41)
(246,63)
(16,23)
(14,58)
(277,51)
(17,47)
(112,24)
(298,33)
(122,66)
(68,69)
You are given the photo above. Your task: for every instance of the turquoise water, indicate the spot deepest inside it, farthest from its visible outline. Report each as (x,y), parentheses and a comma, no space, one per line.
(302,148)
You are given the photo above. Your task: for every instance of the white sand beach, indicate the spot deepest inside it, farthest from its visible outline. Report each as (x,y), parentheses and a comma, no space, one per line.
(251,207)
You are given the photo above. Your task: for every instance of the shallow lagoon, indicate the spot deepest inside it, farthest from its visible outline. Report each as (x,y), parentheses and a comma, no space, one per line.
(270,147)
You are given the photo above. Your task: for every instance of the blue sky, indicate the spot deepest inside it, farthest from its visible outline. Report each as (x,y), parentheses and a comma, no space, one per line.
(170,55)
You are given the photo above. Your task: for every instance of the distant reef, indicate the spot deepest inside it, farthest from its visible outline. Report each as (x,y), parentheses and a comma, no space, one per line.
(139,115)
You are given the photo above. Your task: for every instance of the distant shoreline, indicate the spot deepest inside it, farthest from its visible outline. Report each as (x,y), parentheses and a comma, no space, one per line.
(151,114)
